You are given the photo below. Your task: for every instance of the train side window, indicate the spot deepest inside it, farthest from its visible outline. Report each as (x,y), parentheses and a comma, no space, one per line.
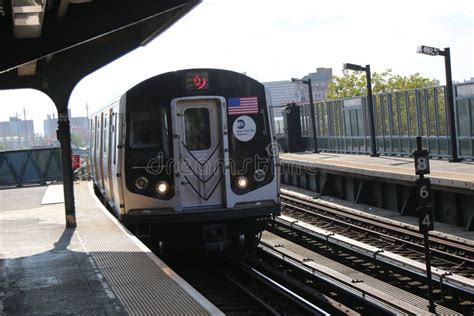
(197,128)
(114,135)
(149,129)
(106,135)
(97,134)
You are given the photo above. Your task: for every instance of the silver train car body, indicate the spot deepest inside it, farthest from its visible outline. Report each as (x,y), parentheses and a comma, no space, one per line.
(188,151)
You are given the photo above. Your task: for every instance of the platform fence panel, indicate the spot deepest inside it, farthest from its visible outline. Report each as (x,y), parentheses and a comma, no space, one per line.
(30,166)
(306,126)
(464,94)
(279,127)
(342,125)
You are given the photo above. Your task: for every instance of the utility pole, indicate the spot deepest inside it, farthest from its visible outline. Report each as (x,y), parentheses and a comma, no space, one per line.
(18,130)
(26,128)
(88,125)
(373,140)
(433,51)
(311,111)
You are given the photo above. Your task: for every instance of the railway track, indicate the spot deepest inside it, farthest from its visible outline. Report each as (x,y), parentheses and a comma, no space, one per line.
(361,297)
(381,249)
(240,289)
(449,254)
(275,280)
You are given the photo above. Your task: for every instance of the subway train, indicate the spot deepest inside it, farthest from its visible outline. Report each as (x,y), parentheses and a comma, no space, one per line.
(189,156)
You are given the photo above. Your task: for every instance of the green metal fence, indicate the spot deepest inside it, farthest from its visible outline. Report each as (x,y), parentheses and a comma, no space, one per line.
(342,125)
(31,166)
(464,94)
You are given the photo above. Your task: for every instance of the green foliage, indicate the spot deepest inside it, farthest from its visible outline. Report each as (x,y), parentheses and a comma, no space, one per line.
(396,113)
(353,83)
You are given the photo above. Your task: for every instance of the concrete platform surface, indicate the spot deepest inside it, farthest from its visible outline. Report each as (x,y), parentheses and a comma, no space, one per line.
(98,268)
(443,173)
(53,195)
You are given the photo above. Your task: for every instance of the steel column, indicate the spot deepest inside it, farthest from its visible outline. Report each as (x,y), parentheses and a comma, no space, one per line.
(371,113)
(64,137)
(313,117)
(450,106)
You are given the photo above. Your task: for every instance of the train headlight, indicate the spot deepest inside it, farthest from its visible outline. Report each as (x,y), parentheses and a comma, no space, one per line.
(162,187)
(141,183)
(259,175)
(242,182)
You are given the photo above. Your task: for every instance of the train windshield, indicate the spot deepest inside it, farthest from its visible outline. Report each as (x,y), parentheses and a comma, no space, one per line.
(197,128)
(149,129)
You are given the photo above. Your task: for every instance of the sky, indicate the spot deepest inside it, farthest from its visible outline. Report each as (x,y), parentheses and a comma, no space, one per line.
(273,40)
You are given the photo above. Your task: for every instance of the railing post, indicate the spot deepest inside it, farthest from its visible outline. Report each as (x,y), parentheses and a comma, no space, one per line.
(371,113)
(64,137)
(419,126)
(449,93)
(313,117)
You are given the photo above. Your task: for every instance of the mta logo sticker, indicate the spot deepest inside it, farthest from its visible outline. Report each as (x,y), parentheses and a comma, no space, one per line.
(244,128)
(240,124)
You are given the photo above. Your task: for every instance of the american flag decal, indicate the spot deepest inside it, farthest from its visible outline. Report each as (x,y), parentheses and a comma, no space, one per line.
(239,106)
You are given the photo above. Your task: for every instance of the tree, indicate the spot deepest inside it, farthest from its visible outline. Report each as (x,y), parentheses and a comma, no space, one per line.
(353,83)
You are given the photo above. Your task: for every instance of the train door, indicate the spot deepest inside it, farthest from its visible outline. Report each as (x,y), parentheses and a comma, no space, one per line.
(118,162)
(111,168)
(94,149)
(105,154)
(100,146)
(198,152)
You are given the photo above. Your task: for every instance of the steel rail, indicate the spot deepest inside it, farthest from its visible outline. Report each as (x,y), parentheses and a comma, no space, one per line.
(436,242)
(301,301)
(257,299)
(374,233)
(444,277)
(363,291)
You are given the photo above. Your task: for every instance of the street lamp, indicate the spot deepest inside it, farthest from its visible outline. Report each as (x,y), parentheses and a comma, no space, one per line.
(311,110)
(373,144)
(433,51)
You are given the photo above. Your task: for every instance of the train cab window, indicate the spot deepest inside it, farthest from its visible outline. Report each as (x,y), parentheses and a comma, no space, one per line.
(149,129)
(197,128)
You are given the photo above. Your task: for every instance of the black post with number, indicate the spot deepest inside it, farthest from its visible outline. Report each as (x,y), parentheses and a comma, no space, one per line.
(425,210)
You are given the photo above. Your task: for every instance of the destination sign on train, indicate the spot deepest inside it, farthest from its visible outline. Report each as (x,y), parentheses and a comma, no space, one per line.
(197,81)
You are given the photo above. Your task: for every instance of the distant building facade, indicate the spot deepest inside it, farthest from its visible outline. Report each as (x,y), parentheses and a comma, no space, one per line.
(79,127)
(16,133)
(49,126)
(319,82)
(284,92)
(20,134)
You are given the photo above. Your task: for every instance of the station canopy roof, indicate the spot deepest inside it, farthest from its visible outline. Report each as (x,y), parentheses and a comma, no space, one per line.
(33,31)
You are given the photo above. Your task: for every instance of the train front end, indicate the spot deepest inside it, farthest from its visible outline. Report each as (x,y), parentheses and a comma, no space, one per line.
(200,158)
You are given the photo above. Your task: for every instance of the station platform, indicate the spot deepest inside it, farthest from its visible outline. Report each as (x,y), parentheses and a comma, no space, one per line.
(443,173)
(386,182)
(98,268)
